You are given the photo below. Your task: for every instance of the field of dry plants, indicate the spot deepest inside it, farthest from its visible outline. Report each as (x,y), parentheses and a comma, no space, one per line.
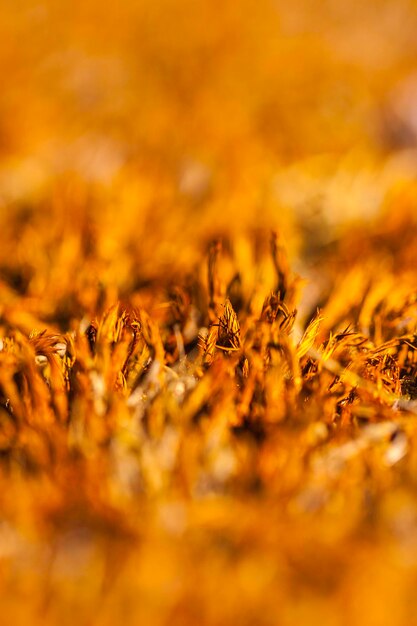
(208,313)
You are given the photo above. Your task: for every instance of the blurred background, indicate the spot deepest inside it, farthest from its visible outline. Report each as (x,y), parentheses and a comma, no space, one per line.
(147,128)
(132,134)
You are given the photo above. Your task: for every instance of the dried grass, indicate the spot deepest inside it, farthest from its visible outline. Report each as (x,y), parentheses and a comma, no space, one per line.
(208,315)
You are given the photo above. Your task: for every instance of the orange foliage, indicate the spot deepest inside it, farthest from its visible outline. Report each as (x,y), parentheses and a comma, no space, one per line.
(208,313)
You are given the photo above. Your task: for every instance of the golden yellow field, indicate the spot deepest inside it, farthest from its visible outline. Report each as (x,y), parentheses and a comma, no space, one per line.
(208,313)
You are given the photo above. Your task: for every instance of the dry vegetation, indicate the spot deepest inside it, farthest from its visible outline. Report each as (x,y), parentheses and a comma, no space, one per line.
(208,313)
